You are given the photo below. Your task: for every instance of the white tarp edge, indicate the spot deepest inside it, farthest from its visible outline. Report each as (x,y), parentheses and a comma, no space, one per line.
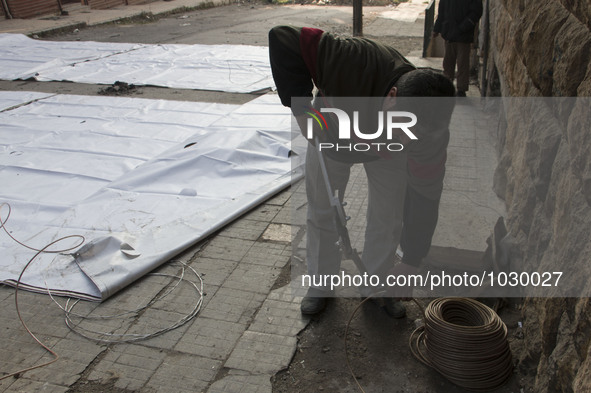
(140,179)
(229,68)
(13,99)
(23,57)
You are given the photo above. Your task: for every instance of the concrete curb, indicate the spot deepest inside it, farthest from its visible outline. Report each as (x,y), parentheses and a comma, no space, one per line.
(79,16)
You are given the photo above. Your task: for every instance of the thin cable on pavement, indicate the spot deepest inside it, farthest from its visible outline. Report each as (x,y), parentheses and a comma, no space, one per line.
(18,281)
(68,308)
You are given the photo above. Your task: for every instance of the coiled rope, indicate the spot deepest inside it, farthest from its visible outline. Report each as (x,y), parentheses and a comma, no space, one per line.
(466,342)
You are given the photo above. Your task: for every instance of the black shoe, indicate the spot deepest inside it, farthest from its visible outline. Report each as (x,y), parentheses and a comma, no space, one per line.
(391,306)
(312,305)
(394,308)
(461,93)
(314,302)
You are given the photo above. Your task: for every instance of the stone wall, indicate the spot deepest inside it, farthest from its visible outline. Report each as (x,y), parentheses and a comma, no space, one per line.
(543,48)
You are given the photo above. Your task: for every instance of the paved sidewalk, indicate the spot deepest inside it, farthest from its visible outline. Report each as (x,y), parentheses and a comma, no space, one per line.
(247,328)
(405,20)
(79,15)
(244,334)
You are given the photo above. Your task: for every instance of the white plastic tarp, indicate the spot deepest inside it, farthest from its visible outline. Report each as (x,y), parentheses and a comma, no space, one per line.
(140,179)
(22,57)
(13,99)
(229,68)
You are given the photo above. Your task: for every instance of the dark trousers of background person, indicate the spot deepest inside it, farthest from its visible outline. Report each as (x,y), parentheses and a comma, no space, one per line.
(420,220)
(457,53)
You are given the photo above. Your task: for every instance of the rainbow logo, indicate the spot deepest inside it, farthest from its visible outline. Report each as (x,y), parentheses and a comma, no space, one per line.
(317,116)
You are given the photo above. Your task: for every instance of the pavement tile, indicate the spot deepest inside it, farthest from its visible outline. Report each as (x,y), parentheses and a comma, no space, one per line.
(242,383)
(460,172)
(280,314)
(184,373)
(154,319)
(6,383)
(233,305)
(26,385)
(138,356)
(245,229)
(262,353)
(72,362)
(284,213)
(209,338)
(213,271)
(398,29)
(264,213)
(268,254)
(277,232)
(250,277)
(7,294)
(226,248)
(462,142)
(280,199)
(288,294)
(167,340)
(19,351)
(461,184)
(280,318)
(460,153)
(64,374)
(283,216)
(129,370)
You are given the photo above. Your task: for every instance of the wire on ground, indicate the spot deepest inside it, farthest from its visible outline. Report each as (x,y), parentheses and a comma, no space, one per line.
(466,342)
(103,337)
(45,249)
(93,335)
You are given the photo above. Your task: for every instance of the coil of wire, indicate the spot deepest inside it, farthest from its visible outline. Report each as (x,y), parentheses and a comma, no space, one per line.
(465,341)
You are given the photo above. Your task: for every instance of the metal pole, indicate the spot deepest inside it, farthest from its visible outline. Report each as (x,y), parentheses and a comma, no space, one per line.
(357,18)
(6,9)
(484,49)
(428,30)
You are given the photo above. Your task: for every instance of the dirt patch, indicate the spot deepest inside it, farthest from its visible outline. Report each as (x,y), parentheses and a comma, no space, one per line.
(118,89)
(377,351)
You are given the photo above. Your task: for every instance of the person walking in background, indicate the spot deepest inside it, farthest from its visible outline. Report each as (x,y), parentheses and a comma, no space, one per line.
(456,22)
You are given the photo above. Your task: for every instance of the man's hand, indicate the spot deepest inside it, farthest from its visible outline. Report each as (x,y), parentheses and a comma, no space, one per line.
(435,35)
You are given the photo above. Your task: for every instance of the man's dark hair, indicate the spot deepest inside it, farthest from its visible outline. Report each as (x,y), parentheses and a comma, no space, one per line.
(428,94)
(425,82)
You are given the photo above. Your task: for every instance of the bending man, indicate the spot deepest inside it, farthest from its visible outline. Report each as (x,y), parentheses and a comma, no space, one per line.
(338,67)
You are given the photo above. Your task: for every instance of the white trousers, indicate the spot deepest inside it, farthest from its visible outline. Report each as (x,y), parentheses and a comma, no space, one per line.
(386,192)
